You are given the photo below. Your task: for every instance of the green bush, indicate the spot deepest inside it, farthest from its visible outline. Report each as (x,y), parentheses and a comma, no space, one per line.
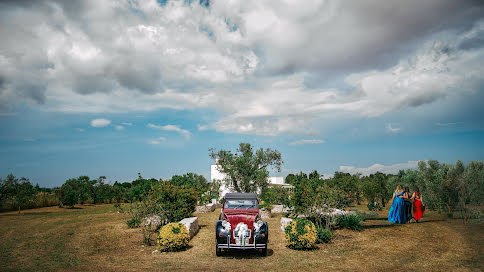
(375,206)
(133,223)
(349,221)
(176,202)
(173,237)
(300,234)
(324,236)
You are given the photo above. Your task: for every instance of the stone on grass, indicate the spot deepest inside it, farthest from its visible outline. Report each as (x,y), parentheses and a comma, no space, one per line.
(265,213)
(153,221)
(284,222)
(208,208)
(202,209)
(155,251)
(277,208)
(191,223)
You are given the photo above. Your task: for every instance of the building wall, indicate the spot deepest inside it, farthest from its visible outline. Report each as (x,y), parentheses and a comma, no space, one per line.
(276,180)
(215,174)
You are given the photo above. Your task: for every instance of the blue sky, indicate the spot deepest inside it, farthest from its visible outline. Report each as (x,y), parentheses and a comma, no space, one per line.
(116,88)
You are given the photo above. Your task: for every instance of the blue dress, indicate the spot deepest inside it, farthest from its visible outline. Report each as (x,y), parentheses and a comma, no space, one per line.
(397,211)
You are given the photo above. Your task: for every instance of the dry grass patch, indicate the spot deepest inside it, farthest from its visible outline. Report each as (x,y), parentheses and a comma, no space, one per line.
(96,238)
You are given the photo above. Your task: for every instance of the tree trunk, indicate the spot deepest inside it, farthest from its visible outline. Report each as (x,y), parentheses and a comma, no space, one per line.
(19,209)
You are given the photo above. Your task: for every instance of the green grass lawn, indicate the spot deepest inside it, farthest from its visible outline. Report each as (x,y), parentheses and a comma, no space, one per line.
(96,238)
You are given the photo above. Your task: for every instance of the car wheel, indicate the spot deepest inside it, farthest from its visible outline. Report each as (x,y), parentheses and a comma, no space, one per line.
(264,252)
(218,251)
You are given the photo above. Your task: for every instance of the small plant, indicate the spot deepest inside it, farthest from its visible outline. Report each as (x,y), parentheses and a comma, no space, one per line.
(118,208)
(349,221)
(324,236)
(133,223)
(300,234)
(173,237)
(375,206)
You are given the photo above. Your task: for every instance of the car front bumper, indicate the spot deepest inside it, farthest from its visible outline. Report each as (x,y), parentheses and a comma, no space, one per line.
(229,245)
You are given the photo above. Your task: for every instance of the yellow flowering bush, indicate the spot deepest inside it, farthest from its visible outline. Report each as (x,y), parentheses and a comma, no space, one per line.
(301,234)
(173,236)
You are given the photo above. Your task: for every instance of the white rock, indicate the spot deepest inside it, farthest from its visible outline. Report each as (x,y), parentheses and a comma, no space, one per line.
(191,223)
(202,209)
(154,221)
(284,222)
(208,208)
(265,213)
(277,208)
(155,251)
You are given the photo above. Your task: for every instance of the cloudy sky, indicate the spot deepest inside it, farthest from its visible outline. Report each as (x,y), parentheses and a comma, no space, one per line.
(119,87)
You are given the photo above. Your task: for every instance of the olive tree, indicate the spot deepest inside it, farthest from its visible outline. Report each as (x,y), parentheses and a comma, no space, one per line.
(246,170)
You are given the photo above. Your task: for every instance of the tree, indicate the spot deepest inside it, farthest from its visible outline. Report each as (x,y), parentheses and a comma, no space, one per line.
(20,192)
(246,170)
(7,187)
(70,192)
(471,188)
(191,180)
(24,193)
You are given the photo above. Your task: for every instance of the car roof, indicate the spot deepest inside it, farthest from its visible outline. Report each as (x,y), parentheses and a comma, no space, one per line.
(240,196)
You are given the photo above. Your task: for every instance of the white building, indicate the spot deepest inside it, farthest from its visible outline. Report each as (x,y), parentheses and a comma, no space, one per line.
(215,174)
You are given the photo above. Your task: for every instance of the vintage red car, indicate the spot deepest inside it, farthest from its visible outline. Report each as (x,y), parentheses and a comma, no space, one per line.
(240,226)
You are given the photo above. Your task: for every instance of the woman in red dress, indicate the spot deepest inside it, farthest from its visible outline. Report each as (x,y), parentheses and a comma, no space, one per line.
(418,206)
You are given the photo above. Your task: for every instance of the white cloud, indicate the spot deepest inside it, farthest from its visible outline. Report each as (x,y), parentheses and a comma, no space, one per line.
(127,123)
(100,122)
(80,129)
(307,141)
(202,127)
(250,61)
(387,169)
(391,129)
(157,141)
(118,127)
(446,124)
(183,132)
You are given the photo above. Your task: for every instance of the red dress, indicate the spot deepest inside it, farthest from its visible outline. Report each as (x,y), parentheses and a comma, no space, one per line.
(418,208)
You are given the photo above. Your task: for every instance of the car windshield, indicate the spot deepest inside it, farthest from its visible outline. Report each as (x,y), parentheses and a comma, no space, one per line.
(240,203)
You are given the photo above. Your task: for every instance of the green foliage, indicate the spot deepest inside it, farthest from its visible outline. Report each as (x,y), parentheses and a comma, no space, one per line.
(191,180)
(324,236)
(300,234)
(349,221)
(374,206)
(246,170)
(70,192)
(316,198)
(176,202)
(274,196)
(141,187)
(349,184)
(18,193)
(133,222)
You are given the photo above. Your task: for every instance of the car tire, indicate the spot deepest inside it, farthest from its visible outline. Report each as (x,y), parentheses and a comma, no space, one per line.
(264,252)
(218,251)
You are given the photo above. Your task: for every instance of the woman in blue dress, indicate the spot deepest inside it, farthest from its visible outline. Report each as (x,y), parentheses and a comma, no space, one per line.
(397,211)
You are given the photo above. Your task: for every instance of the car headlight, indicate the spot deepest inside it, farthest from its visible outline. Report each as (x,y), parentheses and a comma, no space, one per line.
(226,226)
(258,225)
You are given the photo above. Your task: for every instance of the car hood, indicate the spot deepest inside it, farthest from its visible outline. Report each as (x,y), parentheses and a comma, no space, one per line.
(234,217)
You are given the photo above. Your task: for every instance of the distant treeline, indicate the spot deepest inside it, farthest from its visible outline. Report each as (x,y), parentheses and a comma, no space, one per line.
(445,187)
(17,194)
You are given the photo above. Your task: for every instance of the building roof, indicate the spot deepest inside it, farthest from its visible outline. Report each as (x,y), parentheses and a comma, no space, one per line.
(240,196)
